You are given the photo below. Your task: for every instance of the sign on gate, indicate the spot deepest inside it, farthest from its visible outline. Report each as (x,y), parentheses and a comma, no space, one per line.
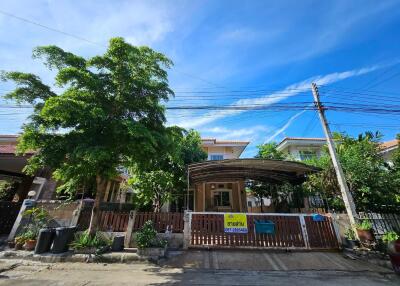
(235,223)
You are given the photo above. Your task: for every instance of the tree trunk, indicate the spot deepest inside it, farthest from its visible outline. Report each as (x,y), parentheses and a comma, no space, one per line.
(100,191)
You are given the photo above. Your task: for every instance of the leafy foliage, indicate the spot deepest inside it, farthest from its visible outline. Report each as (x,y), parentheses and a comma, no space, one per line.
(364,225)
(147,236)
(107,112)
(165,179)
(38,219)
(270,151)
(84,240)
(5,190)
(350,234)
(390,236)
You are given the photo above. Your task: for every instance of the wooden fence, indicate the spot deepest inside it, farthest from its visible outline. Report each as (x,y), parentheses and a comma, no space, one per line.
(291,231)
(8,213)
(160,220)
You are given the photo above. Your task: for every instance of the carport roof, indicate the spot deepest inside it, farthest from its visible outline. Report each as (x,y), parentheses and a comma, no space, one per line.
(265,170)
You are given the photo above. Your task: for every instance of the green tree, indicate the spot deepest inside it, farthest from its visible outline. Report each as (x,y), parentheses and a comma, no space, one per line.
(369,178)
(270,151)
(105,112)
(165,178)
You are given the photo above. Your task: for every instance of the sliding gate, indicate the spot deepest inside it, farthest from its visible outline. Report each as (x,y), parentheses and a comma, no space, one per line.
(291,231)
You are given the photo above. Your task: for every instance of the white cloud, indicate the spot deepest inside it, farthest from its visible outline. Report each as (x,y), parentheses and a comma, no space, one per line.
(249,133)
(284,127)
(270,99)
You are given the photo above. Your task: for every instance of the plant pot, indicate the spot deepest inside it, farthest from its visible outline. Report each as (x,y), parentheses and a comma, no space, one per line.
(11,244)
(30,244)
(18,246)
(394,247)
(365,235)
(152,252)
(395,259)
(351,244)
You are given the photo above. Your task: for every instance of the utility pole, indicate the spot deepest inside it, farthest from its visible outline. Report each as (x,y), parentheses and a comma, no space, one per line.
(346,195)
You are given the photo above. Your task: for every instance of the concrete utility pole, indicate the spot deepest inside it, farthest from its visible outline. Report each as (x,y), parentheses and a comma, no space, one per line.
(347,197)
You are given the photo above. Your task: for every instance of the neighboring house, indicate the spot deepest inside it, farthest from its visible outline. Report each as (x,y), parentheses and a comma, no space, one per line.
(220,194)
(11,169)
(387,149)
(300,148)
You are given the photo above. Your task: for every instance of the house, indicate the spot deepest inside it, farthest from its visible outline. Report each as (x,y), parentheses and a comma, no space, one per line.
(301,148)
(218,184)
(387,149)
(42,183)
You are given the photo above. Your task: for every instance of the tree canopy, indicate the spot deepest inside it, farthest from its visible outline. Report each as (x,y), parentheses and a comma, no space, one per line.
(102,112)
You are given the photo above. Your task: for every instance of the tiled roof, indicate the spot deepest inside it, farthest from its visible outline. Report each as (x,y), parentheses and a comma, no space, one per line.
(389,144)
(225,141)
(7,149)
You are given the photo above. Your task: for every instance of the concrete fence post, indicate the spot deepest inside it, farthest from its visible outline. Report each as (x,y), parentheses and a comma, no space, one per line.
(129,229)
(20,221)
(187,228)
(335,224)
(76,214)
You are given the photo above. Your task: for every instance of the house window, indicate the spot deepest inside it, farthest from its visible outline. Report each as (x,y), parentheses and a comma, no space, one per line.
(249,204)
(307,155)
(221,199)
(216,157)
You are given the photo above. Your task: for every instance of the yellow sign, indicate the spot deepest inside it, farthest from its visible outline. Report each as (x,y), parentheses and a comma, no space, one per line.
(235,223)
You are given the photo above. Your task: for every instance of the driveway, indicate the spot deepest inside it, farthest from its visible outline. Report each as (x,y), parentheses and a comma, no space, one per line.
(205,268)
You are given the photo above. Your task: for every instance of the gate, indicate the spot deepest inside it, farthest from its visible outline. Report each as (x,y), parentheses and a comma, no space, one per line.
(291,231)
(8,214)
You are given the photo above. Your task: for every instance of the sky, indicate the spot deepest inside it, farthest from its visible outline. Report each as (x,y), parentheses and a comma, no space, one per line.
(230,53)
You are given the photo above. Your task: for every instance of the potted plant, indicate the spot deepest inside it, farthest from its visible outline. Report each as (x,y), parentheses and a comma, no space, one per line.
(351,241)
(85,243)
(364,231)
(149,245)
(19,242)
(30,239)
(392,240)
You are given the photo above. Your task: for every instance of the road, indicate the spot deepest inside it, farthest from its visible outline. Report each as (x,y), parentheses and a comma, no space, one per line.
(201,268)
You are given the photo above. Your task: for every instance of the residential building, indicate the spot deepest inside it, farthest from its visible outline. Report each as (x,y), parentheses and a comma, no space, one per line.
(387,149)
(220,150)
(300,148)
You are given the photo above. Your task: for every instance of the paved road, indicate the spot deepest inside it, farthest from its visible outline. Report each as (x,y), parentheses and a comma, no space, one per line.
(222,268)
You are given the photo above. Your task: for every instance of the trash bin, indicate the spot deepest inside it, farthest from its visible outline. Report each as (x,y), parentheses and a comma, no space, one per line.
(45,239)
(63,237)
(118,243)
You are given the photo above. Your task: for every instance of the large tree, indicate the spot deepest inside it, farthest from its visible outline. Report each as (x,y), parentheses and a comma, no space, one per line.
(165,178)
(105,112)
(370,179)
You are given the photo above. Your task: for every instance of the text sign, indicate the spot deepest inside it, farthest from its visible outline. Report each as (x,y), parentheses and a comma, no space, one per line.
(235,223)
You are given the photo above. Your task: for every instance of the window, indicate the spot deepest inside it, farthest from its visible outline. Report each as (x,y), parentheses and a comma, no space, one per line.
(221,199)
(249,204)
(307,155)
(216,157)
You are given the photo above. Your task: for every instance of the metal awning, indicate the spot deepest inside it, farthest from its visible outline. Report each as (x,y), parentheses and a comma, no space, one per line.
(273,171)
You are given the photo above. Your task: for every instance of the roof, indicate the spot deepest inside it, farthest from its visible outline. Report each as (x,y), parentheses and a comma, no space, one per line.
(255,169)
(289,141)
(221,142)
(389,144)
(302,138)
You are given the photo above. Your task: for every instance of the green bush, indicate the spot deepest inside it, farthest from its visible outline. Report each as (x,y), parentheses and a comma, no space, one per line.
(147,237)
(84,240)
(390,236)
(349,234)
(364,225)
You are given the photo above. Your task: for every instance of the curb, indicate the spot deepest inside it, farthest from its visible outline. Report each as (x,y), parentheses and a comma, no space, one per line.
(113,257)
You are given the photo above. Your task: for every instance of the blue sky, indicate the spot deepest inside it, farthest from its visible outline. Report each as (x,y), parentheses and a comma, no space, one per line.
(232,52)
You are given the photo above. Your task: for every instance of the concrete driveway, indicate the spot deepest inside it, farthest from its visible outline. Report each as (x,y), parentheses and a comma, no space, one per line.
(257,260)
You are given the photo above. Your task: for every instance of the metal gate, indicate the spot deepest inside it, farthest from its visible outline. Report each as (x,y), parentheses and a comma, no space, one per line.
(8,214)
(291,231)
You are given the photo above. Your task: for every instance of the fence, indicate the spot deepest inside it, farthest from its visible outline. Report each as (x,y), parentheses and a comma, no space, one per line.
(8,213)
(382,222)
(160,220)
(291,231)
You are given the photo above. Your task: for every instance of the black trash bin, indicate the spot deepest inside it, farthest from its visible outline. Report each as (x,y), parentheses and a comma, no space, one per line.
(63,237)
(45,239)
(118,243)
